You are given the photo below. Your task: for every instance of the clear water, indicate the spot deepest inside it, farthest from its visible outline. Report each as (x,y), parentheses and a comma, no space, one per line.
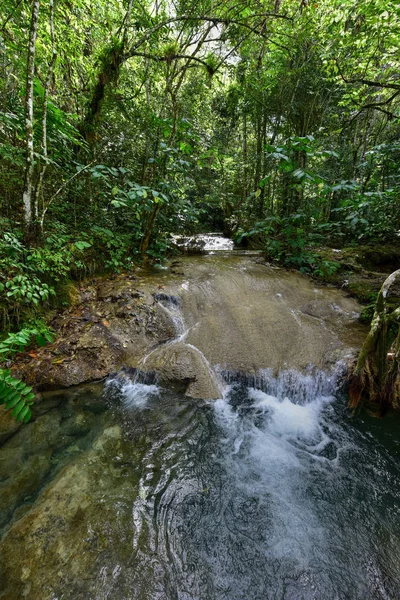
(258,496)
(276,494)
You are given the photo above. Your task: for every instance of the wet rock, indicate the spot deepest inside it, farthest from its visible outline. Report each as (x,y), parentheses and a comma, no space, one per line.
(191,245)
(8,425)
(184,368)
(245,316)
(321,309)
(167,299)
(31,473)
(74,523)
(114,324)
(38,435)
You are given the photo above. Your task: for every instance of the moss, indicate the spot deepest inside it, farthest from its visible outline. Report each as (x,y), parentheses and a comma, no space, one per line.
(361,272)
(365,290)
(376,377)
(67,294)
(367,313)
(384,258)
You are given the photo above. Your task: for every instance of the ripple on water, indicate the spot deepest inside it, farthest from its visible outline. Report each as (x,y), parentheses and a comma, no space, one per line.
(265,494)
(256,497)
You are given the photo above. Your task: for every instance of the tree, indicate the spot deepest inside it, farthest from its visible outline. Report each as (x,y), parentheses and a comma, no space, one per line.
(29,201)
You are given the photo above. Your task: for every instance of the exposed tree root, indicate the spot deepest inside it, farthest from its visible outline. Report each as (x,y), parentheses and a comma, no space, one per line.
(376,377)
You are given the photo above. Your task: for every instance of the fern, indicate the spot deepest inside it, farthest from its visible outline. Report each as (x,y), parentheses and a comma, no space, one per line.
(16,396)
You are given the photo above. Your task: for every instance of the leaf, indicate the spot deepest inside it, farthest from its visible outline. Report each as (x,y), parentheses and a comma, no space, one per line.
(17,408)
(81,245)
(28,415)
(41,341)
(23,413)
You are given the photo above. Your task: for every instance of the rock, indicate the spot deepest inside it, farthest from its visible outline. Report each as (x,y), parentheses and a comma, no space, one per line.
(59,547)
(32,471)
(115,325)
(191,245)
(8,425)
(184,368)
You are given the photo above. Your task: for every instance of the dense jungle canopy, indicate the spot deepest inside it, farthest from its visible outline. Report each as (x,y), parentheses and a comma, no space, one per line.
(123,123)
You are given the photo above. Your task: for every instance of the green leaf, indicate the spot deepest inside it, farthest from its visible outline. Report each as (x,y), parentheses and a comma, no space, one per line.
(17,409)
(81,245)
(28,416)
(23,413)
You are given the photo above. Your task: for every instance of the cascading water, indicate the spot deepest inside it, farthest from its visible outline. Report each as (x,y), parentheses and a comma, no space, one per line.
(263,496)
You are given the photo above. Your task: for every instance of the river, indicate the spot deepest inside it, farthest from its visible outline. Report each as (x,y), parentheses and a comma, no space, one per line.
(127,490)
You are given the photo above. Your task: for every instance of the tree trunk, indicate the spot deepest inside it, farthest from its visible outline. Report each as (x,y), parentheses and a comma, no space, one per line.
(44,117)
(244,150)
(375,377)
(28,199)
(149,229)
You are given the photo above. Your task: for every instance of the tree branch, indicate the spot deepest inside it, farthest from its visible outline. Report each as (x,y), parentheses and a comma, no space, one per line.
(169,58)
(369,82)
(216,20)
(377,106)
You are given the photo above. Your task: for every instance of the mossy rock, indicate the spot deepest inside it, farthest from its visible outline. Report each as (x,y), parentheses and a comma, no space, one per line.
(67,294)
(385,258)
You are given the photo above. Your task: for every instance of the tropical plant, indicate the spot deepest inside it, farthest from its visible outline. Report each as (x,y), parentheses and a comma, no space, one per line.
(16,396)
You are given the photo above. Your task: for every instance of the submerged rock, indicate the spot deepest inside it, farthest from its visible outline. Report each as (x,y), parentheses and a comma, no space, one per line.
(244,316)
(73,523)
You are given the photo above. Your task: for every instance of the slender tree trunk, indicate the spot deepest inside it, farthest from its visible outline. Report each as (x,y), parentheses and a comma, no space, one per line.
(44,117)
(244,150)
(28,199)
(149,229)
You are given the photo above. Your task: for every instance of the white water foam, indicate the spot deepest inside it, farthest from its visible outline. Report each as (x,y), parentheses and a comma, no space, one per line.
(271,444)
(135,395)
(287,418)
(132,393)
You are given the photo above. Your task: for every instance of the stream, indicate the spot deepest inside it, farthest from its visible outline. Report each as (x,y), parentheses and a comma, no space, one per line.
(131,490)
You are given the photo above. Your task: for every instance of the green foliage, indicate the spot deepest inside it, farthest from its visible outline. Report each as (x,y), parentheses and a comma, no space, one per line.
(26,289)
(289,137)
(287,241)
(16,396)
(17,342)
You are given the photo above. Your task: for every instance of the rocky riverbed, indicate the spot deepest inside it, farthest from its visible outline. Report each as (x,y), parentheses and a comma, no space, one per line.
(69,477)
